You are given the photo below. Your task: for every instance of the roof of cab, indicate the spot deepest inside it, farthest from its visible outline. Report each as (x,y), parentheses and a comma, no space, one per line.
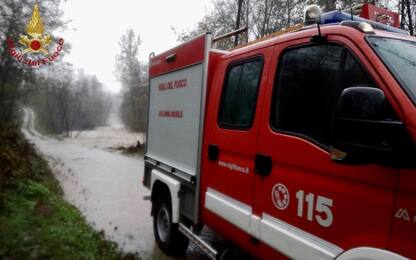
(308,32)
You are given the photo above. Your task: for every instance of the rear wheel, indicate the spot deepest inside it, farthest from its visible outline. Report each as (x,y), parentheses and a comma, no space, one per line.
(169,239)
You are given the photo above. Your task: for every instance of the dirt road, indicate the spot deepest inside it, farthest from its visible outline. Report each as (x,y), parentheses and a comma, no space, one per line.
(105,186)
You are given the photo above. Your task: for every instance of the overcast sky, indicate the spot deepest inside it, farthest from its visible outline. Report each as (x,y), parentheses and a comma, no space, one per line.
(96,27)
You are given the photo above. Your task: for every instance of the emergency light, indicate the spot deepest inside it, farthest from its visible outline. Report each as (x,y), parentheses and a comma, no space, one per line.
(311,15)
(335,17)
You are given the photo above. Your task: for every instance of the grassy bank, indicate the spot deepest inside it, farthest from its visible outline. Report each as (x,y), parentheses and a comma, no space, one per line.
(35,221)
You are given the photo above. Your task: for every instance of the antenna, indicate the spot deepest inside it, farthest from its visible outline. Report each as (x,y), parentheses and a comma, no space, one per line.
(319,28)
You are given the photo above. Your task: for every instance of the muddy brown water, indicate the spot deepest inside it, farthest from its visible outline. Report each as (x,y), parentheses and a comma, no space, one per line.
(106,187)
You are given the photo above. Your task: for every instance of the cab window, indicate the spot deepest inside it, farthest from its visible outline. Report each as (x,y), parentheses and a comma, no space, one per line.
(239,94)
(308,85)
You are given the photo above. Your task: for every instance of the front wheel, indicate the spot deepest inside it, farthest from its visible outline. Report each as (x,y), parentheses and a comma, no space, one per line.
(169,239)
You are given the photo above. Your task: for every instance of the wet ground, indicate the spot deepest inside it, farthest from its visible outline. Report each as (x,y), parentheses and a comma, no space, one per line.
(104,185)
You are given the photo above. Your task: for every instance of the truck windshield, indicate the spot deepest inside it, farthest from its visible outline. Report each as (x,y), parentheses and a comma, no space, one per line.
(400,57)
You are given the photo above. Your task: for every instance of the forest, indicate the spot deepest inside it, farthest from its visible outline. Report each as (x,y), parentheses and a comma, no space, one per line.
(64,99)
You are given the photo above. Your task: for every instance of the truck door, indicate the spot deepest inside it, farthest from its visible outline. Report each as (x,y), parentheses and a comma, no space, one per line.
(310,206)
(232,123)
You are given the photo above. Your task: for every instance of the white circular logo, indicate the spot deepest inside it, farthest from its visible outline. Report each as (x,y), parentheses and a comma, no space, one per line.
(280,196)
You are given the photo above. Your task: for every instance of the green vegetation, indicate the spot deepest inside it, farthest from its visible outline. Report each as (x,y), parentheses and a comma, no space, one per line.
(38,223)
(35,221)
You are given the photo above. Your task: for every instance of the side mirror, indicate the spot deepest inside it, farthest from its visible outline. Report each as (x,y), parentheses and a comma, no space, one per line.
(362,103)
(363,130)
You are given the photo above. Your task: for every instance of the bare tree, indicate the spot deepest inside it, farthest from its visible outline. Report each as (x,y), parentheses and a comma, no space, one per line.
(261,17)
(67,102)
(410,14)
(267,16)
(132,75)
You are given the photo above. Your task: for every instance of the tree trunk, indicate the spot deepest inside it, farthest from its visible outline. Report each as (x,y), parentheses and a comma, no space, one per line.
(237,23)
(409,17)
(263,26)
(247,19)
(402,13)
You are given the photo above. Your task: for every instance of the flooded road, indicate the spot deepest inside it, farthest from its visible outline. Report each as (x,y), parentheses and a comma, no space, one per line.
(105,186)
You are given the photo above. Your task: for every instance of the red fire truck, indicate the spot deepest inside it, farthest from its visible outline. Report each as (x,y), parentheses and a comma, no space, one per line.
(300,146)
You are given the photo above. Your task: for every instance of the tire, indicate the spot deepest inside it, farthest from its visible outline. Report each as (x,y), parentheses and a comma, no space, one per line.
(169,239)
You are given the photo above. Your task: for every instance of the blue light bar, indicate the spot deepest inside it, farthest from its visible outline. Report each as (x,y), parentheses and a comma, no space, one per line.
(338,16)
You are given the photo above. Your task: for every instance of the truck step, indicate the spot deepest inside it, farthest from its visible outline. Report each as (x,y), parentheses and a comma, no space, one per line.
(201,244)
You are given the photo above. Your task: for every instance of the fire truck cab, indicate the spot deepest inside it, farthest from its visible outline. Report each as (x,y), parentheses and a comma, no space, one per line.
(300,146)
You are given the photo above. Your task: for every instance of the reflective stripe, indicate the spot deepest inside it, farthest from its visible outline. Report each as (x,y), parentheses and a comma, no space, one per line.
(285,238)
(228,208)
(293,242)
(369,253)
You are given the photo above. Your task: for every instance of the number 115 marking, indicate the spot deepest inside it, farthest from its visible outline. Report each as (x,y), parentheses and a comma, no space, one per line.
(321,210)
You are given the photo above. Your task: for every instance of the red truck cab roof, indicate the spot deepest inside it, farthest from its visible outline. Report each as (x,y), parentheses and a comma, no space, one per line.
(331,29)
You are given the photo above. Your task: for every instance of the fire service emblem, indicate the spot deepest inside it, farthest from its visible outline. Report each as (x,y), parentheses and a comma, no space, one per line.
(35,43)
(280,196)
